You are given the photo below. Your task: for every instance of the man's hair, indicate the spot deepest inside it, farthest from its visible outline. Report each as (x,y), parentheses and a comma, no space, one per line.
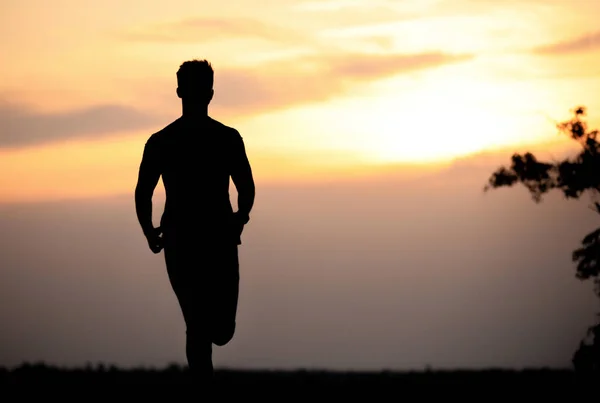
(195,74)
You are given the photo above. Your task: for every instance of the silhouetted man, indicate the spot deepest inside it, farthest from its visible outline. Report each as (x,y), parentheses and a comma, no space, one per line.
(199,231)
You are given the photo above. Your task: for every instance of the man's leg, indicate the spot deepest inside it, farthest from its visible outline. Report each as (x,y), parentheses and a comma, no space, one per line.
(185,271)
(224,294)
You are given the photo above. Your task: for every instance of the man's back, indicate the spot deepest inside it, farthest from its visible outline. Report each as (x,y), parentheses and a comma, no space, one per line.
(196,158)
(199,232)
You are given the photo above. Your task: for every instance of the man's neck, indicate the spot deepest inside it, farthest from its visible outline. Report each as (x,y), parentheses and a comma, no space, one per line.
(194,111)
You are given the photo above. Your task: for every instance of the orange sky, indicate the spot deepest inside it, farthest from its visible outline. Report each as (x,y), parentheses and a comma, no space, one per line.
(317,89)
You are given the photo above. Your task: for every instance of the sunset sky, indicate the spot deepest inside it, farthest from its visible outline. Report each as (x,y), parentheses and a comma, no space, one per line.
(314,87)
(426,96)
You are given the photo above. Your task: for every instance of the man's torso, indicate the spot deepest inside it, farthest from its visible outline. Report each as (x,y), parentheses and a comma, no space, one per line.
(196,160)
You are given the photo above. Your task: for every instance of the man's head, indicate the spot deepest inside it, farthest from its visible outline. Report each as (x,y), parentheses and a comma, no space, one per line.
(195,80)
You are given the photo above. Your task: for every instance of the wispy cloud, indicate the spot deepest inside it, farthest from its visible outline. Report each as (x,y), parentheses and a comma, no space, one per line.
(337,5)
(238,92)
(383,65)
(22,126)
(313,79)
(208,29)
(584,43)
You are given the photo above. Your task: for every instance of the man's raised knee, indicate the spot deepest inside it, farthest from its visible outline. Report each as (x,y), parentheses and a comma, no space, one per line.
(224,335)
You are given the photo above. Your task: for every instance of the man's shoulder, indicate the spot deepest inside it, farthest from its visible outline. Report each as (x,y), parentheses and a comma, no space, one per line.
(161,134)
(222,128)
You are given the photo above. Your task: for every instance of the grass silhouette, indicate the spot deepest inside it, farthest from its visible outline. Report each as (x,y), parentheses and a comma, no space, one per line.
(102,380)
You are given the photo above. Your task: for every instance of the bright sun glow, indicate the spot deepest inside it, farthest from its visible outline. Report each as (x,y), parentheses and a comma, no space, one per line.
(433,117)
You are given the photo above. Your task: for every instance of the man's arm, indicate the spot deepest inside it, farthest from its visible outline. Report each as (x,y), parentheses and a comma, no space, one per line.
(243,180)
(148,176)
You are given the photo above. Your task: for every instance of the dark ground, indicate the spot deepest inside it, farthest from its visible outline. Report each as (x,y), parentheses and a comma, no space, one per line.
(91,383)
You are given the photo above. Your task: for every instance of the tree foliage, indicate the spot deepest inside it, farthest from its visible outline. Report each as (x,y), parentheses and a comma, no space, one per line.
(574,177)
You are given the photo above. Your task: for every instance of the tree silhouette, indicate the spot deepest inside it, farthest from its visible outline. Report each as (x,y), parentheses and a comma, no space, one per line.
(573,177)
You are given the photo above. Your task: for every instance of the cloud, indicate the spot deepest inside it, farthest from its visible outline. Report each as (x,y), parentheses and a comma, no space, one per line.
(331,5)
(383,65)
(22,126)
(208,29)
(587,42)
(238,91)
(313,79)
(318,76)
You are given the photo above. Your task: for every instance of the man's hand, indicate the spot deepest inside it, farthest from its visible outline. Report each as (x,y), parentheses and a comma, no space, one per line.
(239,221)
(155,241)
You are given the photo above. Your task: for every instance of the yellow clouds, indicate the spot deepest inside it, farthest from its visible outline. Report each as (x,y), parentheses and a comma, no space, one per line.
(583,43)
(199,30)
(317,78)
(242,91)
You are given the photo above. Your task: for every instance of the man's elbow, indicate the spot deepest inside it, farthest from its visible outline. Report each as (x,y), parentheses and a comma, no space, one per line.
(251,187)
